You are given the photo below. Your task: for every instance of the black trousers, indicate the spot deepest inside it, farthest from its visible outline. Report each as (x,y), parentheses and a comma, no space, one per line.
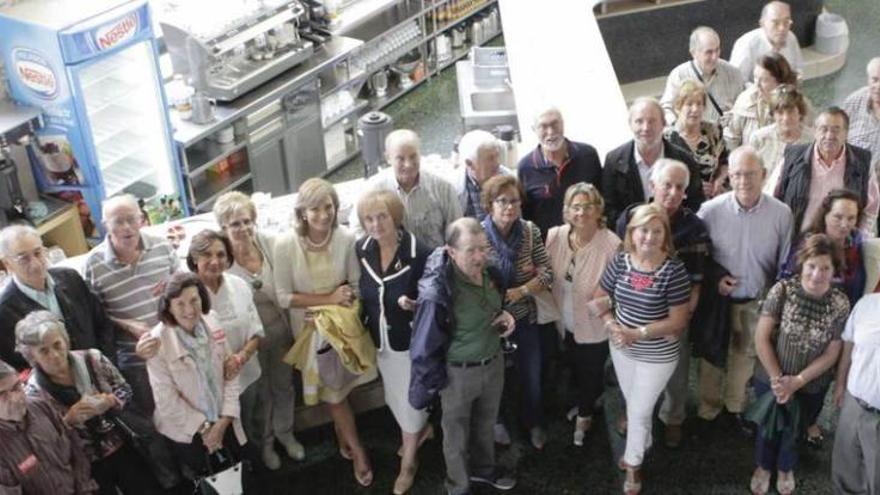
(125,470)
(588,363)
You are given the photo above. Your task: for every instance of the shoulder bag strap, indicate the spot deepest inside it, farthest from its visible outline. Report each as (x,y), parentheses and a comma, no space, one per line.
(708,93)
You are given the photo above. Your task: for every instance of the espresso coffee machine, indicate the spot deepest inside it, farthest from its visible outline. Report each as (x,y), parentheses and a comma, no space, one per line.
(236,47)
(17,124)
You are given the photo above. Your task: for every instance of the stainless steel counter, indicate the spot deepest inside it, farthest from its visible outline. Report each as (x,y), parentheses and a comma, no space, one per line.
(186,133)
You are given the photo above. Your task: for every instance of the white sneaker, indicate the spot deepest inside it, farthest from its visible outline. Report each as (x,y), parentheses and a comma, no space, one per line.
(581,427)
(295,450)
(501,435)
(270,458)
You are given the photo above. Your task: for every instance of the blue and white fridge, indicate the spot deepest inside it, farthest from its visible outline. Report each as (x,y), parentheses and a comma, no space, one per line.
(92,66)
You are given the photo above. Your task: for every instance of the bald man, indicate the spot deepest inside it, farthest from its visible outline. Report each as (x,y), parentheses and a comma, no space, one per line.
(722,80)
(863,108)
(772,35)
(627,172)
(430,202)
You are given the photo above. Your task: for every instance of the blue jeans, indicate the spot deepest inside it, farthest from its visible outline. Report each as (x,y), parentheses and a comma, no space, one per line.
(528,360)
(771,455)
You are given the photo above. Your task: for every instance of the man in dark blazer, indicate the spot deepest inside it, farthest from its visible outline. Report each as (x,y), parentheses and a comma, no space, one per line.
(32,286)
(839,165)
(627,172)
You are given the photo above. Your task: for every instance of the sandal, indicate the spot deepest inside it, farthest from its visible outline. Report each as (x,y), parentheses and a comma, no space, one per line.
(363,476)
(632,486)
(785,486)
(760,483)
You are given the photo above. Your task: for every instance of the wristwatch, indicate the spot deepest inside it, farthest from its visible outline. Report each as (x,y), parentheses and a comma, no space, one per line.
(204,428)
(643,332)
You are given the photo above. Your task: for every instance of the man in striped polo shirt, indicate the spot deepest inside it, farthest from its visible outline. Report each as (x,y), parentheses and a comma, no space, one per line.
(126,271)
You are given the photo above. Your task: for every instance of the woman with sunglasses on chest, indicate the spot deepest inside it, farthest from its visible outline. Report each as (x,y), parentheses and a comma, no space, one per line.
(275,395)
(579,251)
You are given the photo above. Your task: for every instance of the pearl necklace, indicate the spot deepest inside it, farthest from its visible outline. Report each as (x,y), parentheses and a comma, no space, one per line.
(320,245)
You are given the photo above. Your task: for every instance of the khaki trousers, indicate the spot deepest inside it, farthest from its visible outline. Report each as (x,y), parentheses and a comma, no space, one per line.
(714,391)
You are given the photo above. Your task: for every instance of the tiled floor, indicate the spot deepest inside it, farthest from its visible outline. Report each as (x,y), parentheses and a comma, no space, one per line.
(718,463)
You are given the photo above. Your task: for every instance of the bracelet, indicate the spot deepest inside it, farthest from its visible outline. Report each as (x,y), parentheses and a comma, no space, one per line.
(525,290)
(643,332)
(801,378)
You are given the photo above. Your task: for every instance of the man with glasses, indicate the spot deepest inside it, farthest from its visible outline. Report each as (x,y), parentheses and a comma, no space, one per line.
(126,271)
(773,36)
(35,286)
(669,180)
(751,237)
(554,165)
(810,171)
(456,353)
(39,454)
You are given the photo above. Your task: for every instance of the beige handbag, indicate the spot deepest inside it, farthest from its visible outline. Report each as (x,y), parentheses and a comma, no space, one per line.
(548,312)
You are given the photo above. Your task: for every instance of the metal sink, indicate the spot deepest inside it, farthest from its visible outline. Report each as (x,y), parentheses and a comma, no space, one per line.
(493,101)
(483,107)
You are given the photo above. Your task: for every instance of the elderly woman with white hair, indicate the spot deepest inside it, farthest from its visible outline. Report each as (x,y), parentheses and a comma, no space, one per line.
(480,156)
(252,262)
(89,392)
(33,429)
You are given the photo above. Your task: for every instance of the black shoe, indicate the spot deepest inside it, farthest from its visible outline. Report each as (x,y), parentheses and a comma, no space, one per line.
(745,427)
(496,481)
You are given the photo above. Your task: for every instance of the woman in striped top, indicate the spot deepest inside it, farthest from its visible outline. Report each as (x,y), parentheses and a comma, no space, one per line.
(515,246)
(644,294)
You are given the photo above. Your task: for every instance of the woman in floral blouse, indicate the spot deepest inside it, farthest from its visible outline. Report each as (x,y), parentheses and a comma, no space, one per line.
(703,139)
(798,341)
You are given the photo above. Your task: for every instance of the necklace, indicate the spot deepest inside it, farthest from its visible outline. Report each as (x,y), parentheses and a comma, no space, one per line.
(320,245)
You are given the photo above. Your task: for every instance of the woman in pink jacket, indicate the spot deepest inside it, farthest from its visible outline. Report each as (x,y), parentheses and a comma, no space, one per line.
(579,251)
(197,407)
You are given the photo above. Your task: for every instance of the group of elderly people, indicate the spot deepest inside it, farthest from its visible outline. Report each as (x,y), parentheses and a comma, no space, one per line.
(460,293)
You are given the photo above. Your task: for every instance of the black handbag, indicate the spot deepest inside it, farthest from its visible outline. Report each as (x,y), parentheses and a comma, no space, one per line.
(143,437)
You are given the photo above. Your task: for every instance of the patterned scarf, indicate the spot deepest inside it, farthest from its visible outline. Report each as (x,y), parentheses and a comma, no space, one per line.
(507,249)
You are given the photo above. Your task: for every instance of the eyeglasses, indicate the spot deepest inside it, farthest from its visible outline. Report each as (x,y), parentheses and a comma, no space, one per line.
(785,22)
(744,175)
(240,224)
(504,202)
(25,259)
(121,221)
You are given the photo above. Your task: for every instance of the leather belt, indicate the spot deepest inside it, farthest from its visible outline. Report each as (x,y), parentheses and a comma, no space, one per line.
(741,300)
(866,406)
(471,364)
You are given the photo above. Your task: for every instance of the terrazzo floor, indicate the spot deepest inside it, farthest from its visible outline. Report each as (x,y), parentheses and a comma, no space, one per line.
(716,462)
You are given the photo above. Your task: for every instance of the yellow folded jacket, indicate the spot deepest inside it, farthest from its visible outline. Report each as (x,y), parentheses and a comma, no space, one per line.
(341,327)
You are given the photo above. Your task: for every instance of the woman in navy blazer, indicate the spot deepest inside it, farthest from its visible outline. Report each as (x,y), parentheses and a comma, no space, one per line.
(392,262)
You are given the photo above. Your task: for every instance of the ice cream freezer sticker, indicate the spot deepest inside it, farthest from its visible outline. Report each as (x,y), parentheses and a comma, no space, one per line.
(53,153)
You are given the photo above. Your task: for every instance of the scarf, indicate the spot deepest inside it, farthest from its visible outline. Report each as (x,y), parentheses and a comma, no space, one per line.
(507,249)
